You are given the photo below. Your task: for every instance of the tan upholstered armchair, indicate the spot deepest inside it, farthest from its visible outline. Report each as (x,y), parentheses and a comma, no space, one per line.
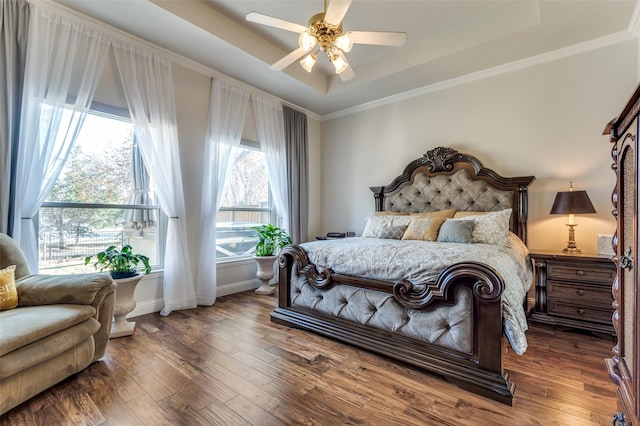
(60,326)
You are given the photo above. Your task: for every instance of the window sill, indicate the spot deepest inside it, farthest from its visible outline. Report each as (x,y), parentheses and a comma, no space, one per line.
(155,273)
(230,263)
(227,263)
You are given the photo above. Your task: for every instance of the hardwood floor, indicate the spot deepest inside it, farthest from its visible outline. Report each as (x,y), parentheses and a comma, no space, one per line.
(229,365)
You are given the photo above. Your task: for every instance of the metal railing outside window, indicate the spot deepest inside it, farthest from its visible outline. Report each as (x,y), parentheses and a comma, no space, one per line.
(235,236)
(69,232)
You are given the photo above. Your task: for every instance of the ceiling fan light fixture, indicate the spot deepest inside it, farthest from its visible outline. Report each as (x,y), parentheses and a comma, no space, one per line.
(324,30)
(308,62)
(306,41)
(338,63)
(344,42)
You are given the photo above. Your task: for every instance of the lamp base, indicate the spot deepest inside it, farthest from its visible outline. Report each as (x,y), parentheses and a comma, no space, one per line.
(572,250)
(571,244)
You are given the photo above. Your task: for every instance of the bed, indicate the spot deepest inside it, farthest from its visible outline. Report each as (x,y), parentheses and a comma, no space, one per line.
(439,300)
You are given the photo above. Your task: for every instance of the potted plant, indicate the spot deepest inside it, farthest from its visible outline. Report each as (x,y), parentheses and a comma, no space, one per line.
(271,240)
(123,265)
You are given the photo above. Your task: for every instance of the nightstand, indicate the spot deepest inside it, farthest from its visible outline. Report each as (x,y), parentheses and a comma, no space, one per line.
(574,290)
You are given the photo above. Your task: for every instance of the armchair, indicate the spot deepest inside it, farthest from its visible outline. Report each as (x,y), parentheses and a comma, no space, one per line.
(60,326)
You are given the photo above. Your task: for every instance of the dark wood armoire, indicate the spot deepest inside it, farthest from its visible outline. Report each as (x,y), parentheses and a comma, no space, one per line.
(624,365)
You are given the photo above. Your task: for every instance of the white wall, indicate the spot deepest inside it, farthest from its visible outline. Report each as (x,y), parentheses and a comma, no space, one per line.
(545,120)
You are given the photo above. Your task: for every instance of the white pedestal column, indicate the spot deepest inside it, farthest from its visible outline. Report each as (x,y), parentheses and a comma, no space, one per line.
(265,273)
(125,303)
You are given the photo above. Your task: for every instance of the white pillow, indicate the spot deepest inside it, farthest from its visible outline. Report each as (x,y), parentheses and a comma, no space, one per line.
(491,228)
(375,224)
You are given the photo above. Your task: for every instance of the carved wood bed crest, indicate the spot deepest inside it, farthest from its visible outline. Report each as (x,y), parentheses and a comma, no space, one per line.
(440,159)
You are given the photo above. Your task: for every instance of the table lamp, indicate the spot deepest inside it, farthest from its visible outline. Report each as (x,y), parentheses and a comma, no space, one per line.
(572,203)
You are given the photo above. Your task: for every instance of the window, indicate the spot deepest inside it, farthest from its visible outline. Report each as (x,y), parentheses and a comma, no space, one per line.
(98,200)
(245,203)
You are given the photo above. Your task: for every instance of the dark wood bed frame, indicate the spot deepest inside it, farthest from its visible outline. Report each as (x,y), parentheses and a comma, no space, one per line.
(481,371)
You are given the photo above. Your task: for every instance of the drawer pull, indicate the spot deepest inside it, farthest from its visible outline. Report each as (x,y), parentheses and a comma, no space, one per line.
(580,272)
(580,292)
(580,311)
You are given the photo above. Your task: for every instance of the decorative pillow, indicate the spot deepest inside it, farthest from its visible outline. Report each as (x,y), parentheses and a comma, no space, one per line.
(456,231)
(390,213)
(391,232)
(442,214)
(491,228)
(460,214)
(423,228)
(375,223)
(8,292)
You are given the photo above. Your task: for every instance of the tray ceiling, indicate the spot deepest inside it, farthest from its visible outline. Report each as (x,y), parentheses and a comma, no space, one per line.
(446,39)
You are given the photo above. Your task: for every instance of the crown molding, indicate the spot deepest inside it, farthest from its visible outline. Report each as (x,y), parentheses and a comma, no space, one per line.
(555,55)
(634,23)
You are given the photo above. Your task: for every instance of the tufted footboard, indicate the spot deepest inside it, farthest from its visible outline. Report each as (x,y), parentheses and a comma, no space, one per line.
(452,327)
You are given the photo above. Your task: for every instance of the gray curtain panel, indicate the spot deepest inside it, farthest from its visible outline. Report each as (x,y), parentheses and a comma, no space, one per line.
(139,219)
(295,135)
(14,28)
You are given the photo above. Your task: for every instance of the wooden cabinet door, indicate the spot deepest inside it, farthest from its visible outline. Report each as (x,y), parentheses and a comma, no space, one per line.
(625,368)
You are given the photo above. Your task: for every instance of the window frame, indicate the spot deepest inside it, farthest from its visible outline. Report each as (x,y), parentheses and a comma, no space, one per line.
(120,114)
(273,217)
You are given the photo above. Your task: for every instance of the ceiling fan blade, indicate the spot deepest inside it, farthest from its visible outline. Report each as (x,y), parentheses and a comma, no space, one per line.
(259,18)
(336,11)
(379,38)
(289,59)
(348,73)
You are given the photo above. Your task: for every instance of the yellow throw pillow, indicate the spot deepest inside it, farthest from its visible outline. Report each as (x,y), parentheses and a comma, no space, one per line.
(8,292)
(440,214)
(423,228)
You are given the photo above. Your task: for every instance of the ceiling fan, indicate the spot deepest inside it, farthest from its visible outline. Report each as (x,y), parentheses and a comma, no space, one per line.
(325,31)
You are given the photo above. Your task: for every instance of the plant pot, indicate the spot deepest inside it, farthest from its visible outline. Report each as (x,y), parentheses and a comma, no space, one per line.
(265,273)
(125,303)
(120,275)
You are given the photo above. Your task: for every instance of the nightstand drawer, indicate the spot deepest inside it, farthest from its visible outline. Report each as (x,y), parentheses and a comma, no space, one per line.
(581,272)
(580,293)
(579,312)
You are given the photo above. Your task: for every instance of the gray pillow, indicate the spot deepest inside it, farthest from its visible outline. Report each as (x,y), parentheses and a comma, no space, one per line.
(456,231)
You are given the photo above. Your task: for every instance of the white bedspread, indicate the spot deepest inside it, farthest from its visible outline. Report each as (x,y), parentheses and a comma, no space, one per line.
(421,262)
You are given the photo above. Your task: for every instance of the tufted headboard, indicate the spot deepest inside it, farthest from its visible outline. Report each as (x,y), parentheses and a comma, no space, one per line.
(444,178)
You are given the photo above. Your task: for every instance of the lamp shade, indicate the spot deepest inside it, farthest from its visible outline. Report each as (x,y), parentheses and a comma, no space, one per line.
(572,202)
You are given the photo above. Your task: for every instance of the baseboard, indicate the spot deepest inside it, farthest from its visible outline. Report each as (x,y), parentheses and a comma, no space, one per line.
(151,306)
(240,286)
(146,307)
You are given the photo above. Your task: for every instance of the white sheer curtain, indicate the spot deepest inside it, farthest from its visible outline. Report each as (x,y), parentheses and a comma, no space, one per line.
(270,128)
(148,86)
(64,62)
(227,110)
